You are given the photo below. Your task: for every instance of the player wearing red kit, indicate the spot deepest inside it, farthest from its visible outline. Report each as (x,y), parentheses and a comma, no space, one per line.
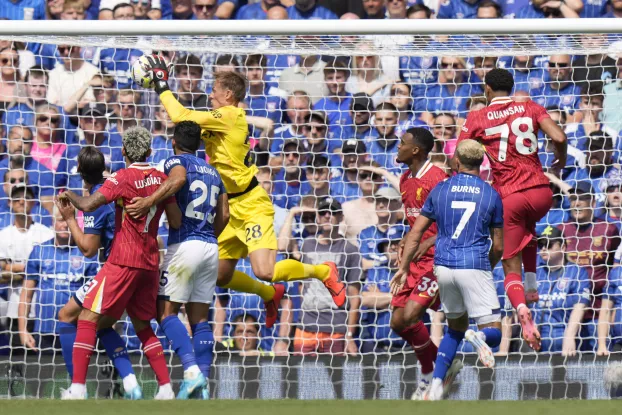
(129,279)
(509,132)
(414,285)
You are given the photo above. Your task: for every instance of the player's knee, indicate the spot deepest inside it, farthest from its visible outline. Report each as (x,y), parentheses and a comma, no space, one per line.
(413,313)
(264,272)
(68,314)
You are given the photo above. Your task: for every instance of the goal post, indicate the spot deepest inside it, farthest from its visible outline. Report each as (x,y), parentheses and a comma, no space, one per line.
(431,73)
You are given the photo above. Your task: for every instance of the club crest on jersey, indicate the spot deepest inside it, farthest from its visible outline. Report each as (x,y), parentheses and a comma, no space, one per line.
(76,262)
(567,99)
(562,284)
(597,241)
(47,263)
(418,194)
(426,62)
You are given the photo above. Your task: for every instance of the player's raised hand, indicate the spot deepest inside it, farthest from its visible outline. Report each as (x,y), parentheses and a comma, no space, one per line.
(138,207)
(161,72)
(66,209)
(398,281)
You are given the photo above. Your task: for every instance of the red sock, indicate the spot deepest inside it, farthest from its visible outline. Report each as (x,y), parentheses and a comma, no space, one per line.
(83,347)
(530,256)
(154,354)
(514,288)
(418,337)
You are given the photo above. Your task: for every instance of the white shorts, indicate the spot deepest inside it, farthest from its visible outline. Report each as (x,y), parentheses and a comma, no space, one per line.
(189,272)
(467,290)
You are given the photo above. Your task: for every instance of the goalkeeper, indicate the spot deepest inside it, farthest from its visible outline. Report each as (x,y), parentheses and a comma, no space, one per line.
(250,231)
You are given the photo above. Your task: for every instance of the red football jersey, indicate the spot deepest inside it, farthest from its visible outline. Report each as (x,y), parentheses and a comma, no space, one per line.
(509,132)
(135,241)
(415,190)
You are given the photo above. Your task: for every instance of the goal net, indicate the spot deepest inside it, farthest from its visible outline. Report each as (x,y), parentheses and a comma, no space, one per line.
(326,106)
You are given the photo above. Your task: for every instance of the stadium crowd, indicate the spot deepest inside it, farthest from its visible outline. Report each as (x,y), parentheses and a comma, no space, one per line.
(324,132)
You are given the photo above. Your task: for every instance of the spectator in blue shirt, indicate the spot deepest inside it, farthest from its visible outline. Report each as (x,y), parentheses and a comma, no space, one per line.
(540,9)
(383,146)
(260,99)
(344,185)
(576,158)
(451,92)
(117,62)
(22,10)
(308,9)
(19,177)
(19,146)
(419,11)
(23,113)
(194,9)
(256,11)
(55,269)
(613,204)
(298,108)
(457,9)
(317,143)
(162,144)
(610,318)
(361,113)
(615,10)
(488,9)
(290,184)
(376,295)
(318,174)
(527,77)
(590,106)
(338,101)
(189,73)
(559,90)
(564,290)
(596,67)
(401,97)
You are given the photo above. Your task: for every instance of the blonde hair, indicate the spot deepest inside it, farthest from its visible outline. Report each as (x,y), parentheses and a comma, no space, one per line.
(366,45)
(470,153)
(137,143)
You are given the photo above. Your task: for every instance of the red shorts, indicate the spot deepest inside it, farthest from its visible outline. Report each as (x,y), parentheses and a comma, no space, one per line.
(521,211)
(118,288)
(420,287)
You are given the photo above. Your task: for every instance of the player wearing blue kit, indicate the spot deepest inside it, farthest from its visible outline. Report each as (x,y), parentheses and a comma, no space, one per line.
(96,239)
(467,211)
(190,267)
(610,332)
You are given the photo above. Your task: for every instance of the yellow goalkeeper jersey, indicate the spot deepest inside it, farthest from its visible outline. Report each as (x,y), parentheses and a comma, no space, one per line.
(225,134)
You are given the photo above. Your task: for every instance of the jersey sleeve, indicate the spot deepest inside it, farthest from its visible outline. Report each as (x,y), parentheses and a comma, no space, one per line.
(216,120)
(33,265)
(95,222)
(497,215)
(467,130)
(173,162)
(428,209)
(112,189)
(612,292)
(539,112)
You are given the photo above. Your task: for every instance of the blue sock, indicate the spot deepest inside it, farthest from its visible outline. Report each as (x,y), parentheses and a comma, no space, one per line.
(67,337)
(116,351)
(203,346)
(446,352)
(180,340)
(493,336)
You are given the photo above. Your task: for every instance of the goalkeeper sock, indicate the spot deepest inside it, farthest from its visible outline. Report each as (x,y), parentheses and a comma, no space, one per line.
(418,337)
(116,351)
(154,354)
(514,288)
(492,336)
(447,352)
(244,283)
(181,343)
(83,349)
(530,262)
(67,337)
(203,346)
(292,270)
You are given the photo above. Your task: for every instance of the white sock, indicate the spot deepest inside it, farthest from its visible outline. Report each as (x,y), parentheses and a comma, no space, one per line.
(530,281)
(437,382)
(78,388)
(130,382)
(481,335)
(166,388)
(192,372)
(427,377)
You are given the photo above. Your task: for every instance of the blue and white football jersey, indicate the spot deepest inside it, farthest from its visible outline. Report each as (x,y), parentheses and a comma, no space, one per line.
(464,207)
(101,222)
(197,199)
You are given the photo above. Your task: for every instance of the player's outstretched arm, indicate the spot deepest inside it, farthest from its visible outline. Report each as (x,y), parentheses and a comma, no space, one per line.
(87,243)
(23,311)
(391,178)
(569,345)
(139,206)
(560,141)
(84,203)
(496,250)
(222,214)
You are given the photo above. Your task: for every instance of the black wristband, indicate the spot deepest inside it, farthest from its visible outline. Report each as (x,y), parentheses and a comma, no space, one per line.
(161,86)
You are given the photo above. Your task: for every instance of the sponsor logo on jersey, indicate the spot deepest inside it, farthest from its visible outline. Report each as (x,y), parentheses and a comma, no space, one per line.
(112,178)
(496,115)
(413,212)
(597,241)
(148,181)
(76,262)
(89,221)
(172,162)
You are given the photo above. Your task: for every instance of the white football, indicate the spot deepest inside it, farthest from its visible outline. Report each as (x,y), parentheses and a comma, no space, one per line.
(141,74)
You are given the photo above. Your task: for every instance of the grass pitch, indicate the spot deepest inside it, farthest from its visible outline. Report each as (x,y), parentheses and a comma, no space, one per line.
(291,407)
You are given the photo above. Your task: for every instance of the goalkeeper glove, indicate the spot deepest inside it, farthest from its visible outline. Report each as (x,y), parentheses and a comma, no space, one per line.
(160,71)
